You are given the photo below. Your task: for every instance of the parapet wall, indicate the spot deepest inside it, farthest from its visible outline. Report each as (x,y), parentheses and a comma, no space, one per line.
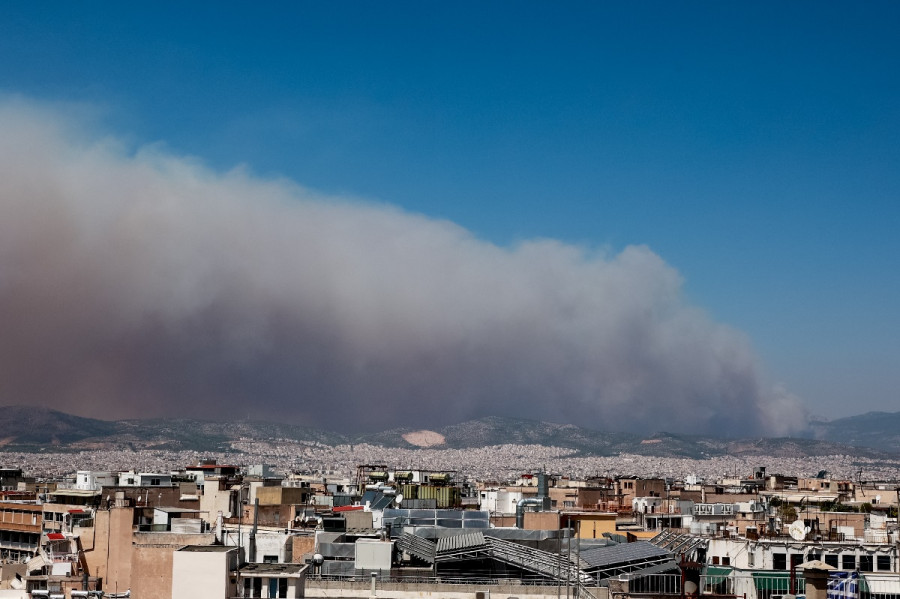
(401,590)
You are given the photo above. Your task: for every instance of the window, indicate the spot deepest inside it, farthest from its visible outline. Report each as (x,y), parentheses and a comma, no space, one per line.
(715,559)
(779,561)
(883,562)
(848,561)
(726,561)
(813,555)
(270,559)
(831,559)
(796,559)
(866,563)
(154,482)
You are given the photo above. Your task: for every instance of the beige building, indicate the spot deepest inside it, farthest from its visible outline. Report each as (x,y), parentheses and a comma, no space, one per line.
(204,571)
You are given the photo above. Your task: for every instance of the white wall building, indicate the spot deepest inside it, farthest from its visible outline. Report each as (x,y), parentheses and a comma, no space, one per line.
(204,571)
(90,480)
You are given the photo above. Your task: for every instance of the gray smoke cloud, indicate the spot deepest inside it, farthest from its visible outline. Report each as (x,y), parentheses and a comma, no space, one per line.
(138,284)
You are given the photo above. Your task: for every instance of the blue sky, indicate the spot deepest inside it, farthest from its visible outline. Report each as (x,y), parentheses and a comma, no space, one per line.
(753,146)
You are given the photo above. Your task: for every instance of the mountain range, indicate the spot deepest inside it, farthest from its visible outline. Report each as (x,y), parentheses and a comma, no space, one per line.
(27,428)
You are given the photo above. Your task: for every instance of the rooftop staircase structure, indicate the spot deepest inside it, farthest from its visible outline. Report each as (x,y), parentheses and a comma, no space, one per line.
(476,545)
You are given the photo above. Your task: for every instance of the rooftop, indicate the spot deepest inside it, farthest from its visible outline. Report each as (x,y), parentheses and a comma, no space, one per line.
(272,570)
(208,548)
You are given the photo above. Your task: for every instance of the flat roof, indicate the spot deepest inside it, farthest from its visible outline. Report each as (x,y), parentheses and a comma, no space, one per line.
(270,570)
(75,492)
(176,510)
(208,548)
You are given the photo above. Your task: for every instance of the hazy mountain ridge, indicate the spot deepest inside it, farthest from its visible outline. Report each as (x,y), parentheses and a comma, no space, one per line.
(26,428)
(872,429)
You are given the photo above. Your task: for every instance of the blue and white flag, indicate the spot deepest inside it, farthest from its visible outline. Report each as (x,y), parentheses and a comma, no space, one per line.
(843,585)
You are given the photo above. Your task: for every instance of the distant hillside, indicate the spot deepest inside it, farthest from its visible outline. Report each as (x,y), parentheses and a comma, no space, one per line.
(879,430)
(29,429)
(204,435)
(27,426)
(495,430)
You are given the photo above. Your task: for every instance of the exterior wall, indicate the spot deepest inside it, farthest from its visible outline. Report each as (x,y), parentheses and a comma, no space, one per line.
(758,555)
(563,497)
(278,515)
(541,521)
(151,497)
(836,521)
(268,542)
(689,495)
(505,521)
(116,571)
(153,572)
(93,481)
(8,573)
(373,555)
(301,546)
(592,526)
(152,561)
(201,574)
(503,501)
(358,520)
(711,496)
(629,488)
(144,479)
(20,528)
(58,517)
(592,497)
(216,497)
(282,495)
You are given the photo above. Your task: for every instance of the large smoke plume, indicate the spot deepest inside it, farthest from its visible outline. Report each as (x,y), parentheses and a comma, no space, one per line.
(144,284)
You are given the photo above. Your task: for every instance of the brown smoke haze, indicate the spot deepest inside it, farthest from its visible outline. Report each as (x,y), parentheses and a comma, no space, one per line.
(140,284)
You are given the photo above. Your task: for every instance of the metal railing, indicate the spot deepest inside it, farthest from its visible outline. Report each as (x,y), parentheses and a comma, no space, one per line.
(353,580)
(760,586)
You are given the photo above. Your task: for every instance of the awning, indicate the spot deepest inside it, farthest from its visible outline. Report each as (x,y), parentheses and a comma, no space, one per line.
(717,574)
(56,536)
(881,583)
(777,582)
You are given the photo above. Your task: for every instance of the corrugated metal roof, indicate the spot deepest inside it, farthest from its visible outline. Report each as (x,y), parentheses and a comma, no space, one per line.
(464,541)
(656,569)
(600,557)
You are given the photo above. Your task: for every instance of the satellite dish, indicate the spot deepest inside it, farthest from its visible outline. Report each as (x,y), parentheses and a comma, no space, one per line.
(798,530)
(398,499)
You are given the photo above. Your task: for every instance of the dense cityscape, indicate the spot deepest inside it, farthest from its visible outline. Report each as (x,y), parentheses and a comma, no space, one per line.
(498,463)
